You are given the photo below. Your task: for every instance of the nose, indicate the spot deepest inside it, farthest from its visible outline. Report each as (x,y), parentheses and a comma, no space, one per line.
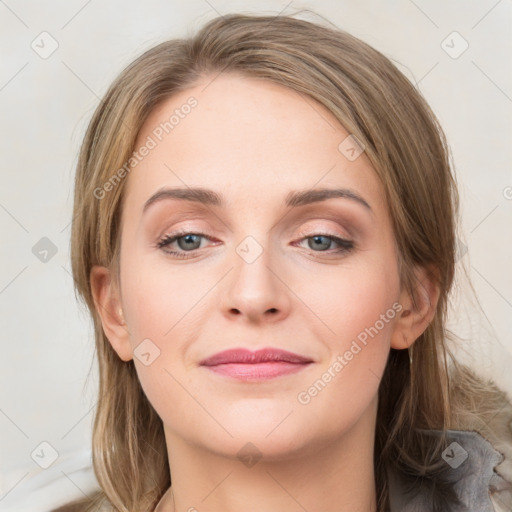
(256,290)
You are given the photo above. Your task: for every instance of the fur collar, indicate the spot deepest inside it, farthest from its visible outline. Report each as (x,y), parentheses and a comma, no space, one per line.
(471,460)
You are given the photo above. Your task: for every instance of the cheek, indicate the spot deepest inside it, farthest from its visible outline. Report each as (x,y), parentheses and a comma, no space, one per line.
(347,383)
(165,306)
(348,298)
(160,299)
(358,307)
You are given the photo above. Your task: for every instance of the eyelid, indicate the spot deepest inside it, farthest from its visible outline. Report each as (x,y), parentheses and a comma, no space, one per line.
(342,240)
(179,233)
(325,232)
(346,246)
(342,229)
(345,232)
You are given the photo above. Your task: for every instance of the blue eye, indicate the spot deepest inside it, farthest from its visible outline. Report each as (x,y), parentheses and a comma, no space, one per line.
(188,243)
(324,241)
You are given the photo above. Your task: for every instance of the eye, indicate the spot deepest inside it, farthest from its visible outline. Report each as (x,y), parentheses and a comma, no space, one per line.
(320,242)
(187,242)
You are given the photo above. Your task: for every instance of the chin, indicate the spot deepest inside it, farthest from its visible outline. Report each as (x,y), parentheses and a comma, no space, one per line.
(278,434)
(254,445)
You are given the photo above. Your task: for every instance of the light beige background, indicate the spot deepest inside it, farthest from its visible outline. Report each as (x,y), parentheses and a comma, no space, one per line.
(46,101)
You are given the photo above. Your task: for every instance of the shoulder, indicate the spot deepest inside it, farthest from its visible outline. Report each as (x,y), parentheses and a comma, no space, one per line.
(468,478)
(480,406)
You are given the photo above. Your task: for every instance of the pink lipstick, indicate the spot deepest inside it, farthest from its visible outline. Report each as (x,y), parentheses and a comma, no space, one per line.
(264,364)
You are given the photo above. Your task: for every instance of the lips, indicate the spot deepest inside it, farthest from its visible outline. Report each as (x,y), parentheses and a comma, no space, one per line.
(244,356)
(264,364)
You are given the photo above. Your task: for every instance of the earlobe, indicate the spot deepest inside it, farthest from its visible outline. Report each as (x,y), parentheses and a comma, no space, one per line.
(108,307)
(417,312)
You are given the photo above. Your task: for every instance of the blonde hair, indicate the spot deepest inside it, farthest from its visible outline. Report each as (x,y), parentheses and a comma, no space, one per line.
(372,100)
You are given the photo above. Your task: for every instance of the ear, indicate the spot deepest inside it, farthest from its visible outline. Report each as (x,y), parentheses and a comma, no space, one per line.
(108,306)
(416,315)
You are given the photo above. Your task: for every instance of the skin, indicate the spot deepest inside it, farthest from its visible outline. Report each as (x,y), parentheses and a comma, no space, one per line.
(255,141)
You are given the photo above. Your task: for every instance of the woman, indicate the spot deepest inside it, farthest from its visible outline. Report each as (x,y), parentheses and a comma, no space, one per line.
(295,356)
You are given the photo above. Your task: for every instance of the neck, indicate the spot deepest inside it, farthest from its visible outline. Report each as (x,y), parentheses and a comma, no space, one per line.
(332,476)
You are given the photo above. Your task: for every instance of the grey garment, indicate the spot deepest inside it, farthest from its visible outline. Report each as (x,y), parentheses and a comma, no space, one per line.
(471,462)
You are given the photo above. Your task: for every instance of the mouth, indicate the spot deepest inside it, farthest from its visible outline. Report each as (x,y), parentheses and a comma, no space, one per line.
(264,364)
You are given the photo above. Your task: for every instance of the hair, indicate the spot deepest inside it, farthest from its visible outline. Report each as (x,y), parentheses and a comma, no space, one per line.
(404,142)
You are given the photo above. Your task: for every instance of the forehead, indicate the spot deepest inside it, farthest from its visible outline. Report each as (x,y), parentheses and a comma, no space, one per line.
(249,139)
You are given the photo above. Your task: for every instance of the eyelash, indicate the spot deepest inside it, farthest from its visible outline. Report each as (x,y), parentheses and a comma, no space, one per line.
(346,245)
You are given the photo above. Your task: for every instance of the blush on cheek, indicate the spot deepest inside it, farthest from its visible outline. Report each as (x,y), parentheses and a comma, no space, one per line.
(361,351)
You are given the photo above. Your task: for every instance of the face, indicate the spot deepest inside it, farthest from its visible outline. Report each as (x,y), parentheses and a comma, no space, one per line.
(257,262)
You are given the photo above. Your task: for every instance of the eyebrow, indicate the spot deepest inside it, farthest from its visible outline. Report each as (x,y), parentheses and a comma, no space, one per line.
(293,199)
